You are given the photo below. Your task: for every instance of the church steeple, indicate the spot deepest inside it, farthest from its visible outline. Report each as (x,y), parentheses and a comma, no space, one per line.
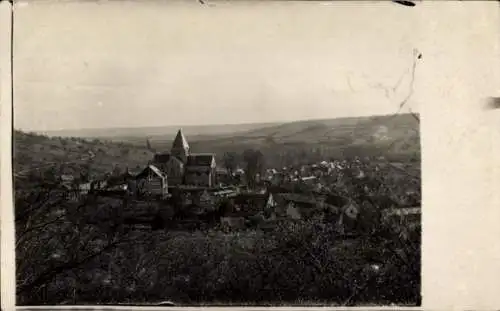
(180,147)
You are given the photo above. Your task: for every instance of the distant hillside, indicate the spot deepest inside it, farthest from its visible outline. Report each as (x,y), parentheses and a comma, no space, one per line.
(157,131)
(33,151)
(282,144)
(395,134)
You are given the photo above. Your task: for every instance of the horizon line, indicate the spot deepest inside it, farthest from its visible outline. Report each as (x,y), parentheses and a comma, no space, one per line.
(208,124)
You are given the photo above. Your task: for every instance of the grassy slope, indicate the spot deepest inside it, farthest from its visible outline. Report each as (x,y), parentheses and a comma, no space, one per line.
(298,131)
(402,134)
(31,151)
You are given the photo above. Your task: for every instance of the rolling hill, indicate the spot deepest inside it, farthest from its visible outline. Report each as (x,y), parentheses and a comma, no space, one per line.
(310,140)
(33,151)
(389,134)
(353,130)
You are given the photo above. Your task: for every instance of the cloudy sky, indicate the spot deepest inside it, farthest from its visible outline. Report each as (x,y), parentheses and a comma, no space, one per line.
(93,64)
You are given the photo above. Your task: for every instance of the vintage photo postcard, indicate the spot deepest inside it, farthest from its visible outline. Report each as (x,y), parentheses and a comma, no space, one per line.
(218,153)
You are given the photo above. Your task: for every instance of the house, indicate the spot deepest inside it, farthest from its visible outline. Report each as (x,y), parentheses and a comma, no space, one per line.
(248,204)
(152,181)
(76,192)
(295,206)
(186,197)
(99,184)
(67,179)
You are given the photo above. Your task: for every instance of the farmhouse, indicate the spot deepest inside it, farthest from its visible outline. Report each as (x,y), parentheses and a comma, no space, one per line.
(152,181)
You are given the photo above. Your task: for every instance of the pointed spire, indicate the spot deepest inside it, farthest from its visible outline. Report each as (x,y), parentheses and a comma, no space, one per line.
(180,141)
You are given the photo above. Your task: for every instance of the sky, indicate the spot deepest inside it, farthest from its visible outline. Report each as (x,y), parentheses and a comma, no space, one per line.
(101,64)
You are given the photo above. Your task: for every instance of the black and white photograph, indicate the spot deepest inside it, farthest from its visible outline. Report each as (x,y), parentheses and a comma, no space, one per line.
(217,153)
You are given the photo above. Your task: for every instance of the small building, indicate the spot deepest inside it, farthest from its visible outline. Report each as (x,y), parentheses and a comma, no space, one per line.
(277,179)
(295,206)
(152,181)
(76,192)
(249,203)
(67,179)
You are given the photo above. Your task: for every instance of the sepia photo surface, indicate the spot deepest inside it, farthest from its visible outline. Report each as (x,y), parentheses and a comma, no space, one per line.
(194,153)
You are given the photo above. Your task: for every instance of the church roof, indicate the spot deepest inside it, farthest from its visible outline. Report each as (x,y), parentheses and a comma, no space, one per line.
(200,159)
(162,157)
(180,141)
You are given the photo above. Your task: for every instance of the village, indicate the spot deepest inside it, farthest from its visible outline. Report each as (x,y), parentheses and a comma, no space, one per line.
(182,189)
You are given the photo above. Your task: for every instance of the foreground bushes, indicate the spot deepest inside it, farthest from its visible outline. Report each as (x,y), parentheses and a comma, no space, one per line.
(296,262)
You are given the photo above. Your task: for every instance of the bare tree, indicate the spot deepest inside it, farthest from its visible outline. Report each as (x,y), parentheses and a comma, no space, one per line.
(230,161)
(254,160)
(57,233)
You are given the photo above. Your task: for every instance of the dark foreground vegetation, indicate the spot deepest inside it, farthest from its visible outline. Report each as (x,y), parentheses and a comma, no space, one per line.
(85,252)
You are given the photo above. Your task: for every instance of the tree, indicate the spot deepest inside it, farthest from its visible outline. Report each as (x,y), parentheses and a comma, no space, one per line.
(254,160)
(230,161)
(57,237)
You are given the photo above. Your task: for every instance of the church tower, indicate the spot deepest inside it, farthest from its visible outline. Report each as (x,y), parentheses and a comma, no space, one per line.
(180,147)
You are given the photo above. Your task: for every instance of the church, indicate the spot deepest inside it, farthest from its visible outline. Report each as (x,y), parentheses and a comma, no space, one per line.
(185,168)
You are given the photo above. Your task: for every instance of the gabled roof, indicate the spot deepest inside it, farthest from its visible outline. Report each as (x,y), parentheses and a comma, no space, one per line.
(156,170)
(200,159)
(180,141)
(295,198)
(153,169)
(250,197)
(114,180)
(163,158)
